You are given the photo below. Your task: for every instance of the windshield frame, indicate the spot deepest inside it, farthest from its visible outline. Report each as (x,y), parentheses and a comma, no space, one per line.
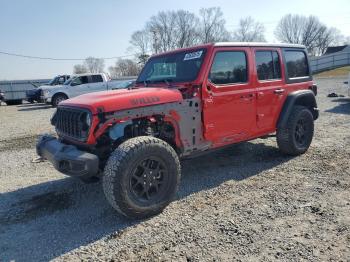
(69,80)
(166,80)
(53,81)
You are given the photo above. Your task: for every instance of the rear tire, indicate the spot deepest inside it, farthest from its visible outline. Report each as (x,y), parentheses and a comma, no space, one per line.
(296,137)
(141,177)
(58,99)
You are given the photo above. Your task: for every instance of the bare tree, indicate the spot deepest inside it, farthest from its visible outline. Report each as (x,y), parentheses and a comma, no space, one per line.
(169,30)
(249,31)
(186,29)
(161,28)
(94,65)
(212,25)
(140,40)
(331,37)
(79,69)
(308,31)
(172,29)
(124,67)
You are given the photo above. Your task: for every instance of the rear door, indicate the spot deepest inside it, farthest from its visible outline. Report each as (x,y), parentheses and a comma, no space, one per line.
(271,91)
(96,83)
(229,96)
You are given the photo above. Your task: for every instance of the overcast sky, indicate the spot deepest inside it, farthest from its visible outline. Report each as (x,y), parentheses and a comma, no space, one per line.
(82,28)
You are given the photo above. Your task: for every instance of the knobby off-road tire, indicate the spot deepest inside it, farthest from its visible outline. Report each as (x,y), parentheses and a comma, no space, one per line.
(141,177)
(296,137)
(58,99)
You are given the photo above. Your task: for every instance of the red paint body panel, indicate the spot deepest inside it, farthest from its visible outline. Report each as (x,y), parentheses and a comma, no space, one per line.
(116,100)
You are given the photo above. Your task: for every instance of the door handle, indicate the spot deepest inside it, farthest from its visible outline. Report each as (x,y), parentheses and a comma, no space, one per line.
(247,97)
(279,91)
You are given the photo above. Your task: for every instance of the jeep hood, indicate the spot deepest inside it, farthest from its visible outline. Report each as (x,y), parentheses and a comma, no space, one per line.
(116,100)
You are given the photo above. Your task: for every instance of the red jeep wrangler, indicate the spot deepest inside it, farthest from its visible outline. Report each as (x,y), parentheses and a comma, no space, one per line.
(184,103)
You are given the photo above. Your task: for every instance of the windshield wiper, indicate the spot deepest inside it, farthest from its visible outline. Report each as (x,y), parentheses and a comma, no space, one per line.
(165,80)
(146,82)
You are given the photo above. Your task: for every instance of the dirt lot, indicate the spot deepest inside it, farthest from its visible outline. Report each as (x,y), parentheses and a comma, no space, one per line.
(247,202)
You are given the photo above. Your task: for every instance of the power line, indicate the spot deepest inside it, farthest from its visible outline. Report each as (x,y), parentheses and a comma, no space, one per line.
(60,59)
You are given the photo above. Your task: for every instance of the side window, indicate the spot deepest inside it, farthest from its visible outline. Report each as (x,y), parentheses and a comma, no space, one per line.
(229,67)
(96,78)
(267,65)
(84,79)
(80,80)
(61,80)
(296,64)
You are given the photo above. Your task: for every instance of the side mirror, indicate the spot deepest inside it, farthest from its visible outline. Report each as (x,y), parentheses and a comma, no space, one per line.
(73,84)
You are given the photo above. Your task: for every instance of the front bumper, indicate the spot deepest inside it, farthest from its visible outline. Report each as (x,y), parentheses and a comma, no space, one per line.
(67,159)
(46,100)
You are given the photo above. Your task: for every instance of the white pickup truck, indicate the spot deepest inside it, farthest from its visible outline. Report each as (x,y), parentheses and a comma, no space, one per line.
(78,85)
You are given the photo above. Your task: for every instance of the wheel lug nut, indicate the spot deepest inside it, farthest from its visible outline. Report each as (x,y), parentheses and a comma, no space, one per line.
(144,175)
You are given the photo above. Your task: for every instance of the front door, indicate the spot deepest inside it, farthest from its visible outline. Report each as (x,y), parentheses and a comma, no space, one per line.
(229,110)
(271,90)
(78,86)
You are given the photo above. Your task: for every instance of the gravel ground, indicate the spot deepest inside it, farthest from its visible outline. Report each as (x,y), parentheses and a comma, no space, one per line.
(247,202)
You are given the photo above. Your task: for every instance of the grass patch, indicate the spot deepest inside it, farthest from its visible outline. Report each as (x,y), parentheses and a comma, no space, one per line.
(341,71)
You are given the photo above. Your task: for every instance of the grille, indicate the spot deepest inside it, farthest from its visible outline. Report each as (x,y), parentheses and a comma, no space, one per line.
(70,123)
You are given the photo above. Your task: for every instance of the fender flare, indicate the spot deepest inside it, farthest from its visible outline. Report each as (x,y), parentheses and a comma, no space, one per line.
(301,97)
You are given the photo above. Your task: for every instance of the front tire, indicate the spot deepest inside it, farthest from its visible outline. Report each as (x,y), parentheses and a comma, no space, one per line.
(296,137)
(58,99)
(141,177)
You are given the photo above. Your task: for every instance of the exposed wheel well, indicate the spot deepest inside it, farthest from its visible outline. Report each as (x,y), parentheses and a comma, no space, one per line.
(299,98)
(153,126)
(60,93)
(56,95)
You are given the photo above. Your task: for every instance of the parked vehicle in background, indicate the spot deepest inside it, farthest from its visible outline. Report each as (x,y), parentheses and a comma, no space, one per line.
(348,85)
(34,95)
(185,103)
(15,90)
(1,97)
(78,85)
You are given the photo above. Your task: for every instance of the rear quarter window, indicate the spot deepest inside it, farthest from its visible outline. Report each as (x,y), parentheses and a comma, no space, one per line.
(296,64)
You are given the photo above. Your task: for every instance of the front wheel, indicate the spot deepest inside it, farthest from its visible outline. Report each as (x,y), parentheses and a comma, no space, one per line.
(296,137)
(58,99)
(141,177)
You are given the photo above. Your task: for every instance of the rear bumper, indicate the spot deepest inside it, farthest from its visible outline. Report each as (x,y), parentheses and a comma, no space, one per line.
(67,159)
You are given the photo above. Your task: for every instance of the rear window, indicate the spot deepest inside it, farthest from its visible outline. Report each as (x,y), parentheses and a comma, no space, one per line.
(267,65)
(229,67)
(297,65)
(96,78)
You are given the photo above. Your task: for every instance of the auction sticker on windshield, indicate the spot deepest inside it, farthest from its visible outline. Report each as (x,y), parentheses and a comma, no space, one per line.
(193,55)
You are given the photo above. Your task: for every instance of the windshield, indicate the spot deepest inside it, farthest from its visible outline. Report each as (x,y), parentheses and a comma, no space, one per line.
(53,81)
(176,67)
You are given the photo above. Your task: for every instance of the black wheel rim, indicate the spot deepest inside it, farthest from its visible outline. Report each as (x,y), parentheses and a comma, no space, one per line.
(148,180)
(300,132)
